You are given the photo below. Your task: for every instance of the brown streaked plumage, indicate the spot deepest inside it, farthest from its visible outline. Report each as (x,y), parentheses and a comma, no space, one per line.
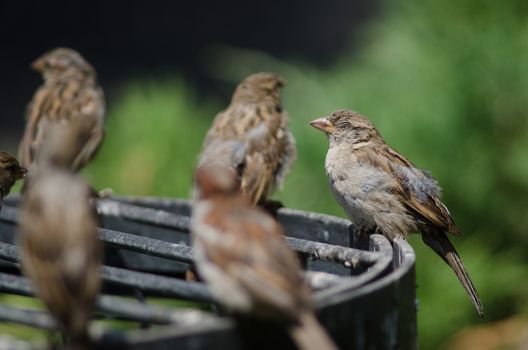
(60,149)
(10,172)
(252,136)
(382,191)
(241,254)
(61,253)
(70,92)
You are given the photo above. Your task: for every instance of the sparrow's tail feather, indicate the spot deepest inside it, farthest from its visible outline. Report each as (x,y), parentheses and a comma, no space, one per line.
(440,243)
(310,335)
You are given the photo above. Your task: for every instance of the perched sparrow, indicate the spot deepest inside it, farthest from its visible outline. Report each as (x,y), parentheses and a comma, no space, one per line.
(381,191)
(252,136)
(70,92)
(10,171)
(65,141)
(61,253)
(60,149)
(241,254)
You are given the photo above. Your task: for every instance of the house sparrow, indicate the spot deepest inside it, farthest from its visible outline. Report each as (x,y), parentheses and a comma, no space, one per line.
(241,254)
(70,92)
(381,191)
(65,142)
(252,136)
(60,149)
(61,253)
(10,171)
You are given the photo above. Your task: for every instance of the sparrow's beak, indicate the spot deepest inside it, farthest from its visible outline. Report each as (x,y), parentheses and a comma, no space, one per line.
(323,124)
(38,65)
(21,173)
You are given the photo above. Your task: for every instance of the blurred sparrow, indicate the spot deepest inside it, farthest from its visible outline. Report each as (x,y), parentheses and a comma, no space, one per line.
(240,252)
(10,171)
(70,92)
(381,191)
(60,149)
(252,136)
(61,253)
(65,141)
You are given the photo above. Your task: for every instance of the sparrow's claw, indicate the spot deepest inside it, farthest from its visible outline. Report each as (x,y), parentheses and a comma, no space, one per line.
(105,193)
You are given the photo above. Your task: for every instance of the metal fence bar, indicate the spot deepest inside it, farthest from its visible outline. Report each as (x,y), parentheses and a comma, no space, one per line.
(109,207)
(32,318)
(333,253)
(313,250)
(160,285)
(147,282)
(376,304)
(378,243)
(129,310)
(146,245)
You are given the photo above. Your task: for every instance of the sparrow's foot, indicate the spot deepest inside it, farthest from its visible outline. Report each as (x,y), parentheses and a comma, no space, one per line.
(361,238)
(105,193)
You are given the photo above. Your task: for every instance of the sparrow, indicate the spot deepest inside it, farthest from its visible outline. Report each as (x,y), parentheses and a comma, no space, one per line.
(10,172)
(61,253)
(60,149)
(70,93)
(65,141)
(252,136)
(381,191)
(240,252)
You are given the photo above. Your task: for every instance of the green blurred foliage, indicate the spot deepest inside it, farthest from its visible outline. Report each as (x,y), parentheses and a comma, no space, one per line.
(447,85)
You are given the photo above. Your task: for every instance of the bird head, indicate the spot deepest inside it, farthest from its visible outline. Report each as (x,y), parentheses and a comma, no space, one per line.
(259,85)
(10,164)
(346,125)
(216,180)
(60,61)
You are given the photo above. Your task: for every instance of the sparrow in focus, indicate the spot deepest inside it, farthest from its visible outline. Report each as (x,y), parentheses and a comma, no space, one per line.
(10,172)
(252,136)
(61,253)
(241,253)
(70,93)
(381,191)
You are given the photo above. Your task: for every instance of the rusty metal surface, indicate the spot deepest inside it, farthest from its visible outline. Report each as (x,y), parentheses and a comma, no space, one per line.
(365,291)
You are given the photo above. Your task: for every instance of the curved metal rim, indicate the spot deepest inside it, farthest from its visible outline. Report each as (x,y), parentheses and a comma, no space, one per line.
(405,261)
(403,258)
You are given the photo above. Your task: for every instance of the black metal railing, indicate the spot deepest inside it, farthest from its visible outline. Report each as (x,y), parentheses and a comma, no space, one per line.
(364,291)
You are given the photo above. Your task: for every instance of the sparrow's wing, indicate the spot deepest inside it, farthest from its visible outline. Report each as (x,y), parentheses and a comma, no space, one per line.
(82,280)
(256,255)
(61,250)
(288,158)
(420,192)
(60,103)
(416,189)
(92,109)
(271,151)
(32,138)
(41,262)
(268,147)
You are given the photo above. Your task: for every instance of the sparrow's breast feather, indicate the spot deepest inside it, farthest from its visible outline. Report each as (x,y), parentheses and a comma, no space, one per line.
(357,187)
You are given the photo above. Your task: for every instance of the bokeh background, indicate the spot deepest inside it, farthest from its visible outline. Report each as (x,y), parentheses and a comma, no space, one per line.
(445,82)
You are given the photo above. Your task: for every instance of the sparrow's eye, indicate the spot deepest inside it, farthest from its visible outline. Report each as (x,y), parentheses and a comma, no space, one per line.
(343,125)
